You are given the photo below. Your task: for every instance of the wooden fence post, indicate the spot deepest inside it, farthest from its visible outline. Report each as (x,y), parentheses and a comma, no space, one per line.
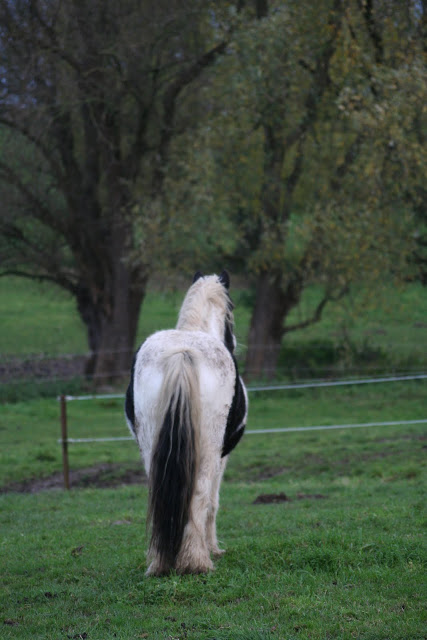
(64,434)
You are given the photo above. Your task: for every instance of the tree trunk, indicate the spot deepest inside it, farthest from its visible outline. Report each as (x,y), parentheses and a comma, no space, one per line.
(111,329)
(117,340)
(272,305)
(110,308)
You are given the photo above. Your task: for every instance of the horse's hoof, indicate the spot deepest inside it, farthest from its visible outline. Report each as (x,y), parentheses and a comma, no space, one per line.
(217,552)
(155,570)
(183,571)
(195,567)
(151,571)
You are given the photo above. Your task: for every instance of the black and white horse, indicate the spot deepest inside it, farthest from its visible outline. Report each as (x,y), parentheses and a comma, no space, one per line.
(187,406)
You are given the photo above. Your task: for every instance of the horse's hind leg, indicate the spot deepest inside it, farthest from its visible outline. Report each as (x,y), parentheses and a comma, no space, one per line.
(213,509)
(156,568)
(194,556)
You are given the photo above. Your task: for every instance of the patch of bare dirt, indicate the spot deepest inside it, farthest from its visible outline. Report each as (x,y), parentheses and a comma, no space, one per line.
(278,498)
(270,472)
(41,367)
(99,476)
(271,498)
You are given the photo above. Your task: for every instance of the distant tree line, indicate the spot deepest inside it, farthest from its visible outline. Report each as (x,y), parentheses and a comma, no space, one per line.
(283,140)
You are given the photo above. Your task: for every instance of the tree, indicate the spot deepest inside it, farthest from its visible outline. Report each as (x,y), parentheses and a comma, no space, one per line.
(90,101)
(317,154)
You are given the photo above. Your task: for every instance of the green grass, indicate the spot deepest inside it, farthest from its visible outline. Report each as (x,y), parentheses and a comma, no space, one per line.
(391,327)
(348,564)
(38,318)
(342,558)
(29,431)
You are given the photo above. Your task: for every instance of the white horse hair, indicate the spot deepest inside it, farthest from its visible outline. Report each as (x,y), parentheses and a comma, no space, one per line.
(186,405)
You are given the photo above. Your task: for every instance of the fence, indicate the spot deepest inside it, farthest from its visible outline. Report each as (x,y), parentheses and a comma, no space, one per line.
(65,440)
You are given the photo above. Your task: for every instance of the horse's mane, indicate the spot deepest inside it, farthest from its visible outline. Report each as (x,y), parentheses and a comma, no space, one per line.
(206,298)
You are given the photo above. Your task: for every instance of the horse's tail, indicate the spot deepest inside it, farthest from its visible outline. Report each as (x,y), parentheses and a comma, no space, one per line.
(174,462)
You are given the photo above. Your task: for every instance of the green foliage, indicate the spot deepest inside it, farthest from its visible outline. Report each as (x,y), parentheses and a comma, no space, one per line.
(309,161)
(314,151)
(367,332)
(282,138)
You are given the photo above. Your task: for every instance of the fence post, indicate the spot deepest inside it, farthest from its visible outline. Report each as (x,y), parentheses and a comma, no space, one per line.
(64,434)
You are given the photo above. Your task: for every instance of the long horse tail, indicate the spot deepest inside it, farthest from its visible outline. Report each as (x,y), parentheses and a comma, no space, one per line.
(175,458)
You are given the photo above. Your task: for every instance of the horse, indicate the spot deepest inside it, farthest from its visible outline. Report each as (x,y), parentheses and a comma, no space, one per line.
(186,406)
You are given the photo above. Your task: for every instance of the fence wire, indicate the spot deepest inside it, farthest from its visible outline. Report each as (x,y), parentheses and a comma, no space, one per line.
(65,440)
(281,387)
(393,423)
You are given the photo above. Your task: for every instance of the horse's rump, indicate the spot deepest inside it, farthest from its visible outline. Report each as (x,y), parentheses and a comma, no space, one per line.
(215,369)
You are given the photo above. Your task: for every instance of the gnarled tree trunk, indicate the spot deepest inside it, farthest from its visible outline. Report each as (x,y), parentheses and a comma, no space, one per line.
(272,305)
(109,303)
(111,329)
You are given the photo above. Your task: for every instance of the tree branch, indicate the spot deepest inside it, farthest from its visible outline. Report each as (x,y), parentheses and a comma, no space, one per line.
(317,314)
(31,137)
(31,251)
(50,33)
(41,277)
(349,158)
(321,78)
(367,9)
(186,77)
(44,214)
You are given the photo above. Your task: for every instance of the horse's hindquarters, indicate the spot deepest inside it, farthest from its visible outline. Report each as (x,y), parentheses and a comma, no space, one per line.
(216,374)
(184,384)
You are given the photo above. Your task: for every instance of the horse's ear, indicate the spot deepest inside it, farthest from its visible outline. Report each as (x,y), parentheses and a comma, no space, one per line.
(197,275)
(224,279)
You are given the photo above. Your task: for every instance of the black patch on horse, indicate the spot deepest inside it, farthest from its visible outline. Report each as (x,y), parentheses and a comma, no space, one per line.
(235,420)
(197,276)
(129,401)
(224,279)
(229,328)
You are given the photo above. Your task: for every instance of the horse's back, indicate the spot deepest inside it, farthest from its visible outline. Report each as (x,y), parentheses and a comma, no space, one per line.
(216,375)
(211,354)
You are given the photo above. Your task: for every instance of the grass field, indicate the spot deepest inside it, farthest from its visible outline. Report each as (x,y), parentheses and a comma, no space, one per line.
(391,330)
(29,431)
(324,530)
(343,556)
